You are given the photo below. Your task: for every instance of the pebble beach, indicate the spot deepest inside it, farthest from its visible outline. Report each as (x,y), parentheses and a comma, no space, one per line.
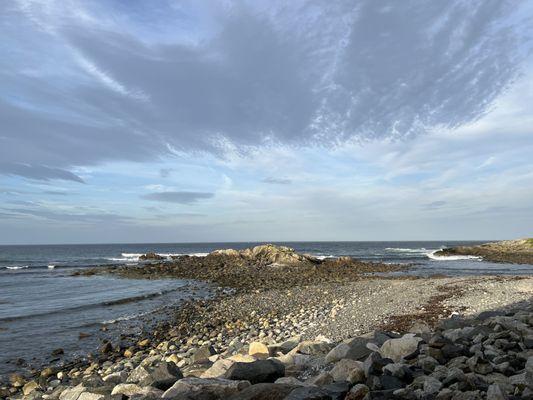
(274,326)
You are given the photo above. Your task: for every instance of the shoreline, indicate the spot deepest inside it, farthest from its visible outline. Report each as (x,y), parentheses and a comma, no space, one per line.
(325,309)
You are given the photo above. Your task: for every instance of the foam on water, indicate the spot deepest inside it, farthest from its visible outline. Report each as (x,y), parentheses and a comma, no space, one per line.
(433,256)
(421,250)
(18,267)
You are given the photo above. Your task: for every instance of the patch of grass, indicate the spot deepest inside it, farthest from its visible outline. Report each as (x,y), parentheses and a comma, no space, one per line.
(529,241)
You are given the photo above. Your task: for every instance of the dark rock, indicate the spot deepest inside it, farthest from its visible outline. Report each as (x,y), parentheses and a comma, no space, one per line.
(151,256)
(337,390)
(452,351)
(495,392)
(202,354)
(387,382)
(309,393)
(57,352)
(264,391)
(358,392)
(256,372)
(374,364)
(164,375)
(106,347)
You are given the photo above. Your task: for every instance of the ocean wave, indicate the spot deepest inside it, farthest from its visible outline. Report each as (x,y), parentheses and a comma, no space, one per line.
(136,256)
(105,303)
(324,257)
(432,256)
(18,267)
(51,266)
(420,250)
(131,316)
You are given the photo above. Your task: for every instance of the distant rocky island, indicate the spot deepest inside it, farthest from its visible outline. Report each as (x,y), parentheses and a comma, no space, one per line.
(519,251)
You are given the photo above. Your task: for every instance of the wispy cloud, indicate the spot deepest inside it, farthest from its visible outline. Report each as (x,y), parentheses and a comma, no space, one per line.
(277,181)
(178,197)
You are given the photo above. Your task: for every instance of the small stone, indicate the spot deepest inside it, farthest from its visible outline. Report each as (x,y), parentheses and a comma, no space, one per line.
(202,354)
(105,348)
(321,379)
(29,387)
(358,392)
(495,392)
(432,385)
(47,372)
(258,349)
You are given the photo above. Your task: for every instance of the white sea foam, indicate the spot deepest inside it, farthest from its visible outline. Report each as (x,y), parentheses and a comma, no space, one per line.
(421,250)
(51,266)
(18,267)
(135,256)
(323,257)
(433,256)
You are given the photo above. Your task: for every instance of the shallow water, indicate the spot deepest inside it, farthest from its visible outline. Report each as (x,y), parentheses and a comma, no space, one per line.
(43,308)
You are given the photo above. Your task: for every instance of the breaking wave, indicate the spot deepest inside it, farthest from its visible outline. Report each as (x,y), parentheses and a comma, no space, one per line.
(433,256)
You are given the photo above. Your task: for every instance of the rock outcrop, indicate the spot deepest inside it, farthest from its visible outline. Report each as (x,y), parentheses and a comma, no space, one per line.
(151,256)
(267,254)
(518,251)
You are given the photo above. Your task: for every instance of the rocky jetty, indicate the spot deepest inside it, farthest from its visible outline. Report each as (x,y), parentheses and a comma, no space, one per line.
(258,268)
(518,251)
(488,357)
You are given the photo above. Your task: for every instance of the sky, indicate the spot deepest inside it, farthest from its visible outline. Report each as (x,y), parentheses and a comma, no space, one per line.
(197,121)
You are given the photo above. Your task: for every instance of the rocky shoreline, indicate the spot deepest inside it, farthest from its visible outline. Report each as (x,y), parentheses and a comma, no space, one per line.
(320,338)
(518,251)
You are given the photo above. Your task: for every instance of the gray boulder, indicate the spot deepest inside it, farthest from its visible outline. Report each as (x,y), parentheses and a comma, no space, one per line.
(208,387)
(259,371)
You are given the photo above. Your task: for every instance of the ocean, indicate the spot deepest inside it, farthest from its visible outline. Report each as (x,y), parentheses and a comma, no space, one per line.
(43,307)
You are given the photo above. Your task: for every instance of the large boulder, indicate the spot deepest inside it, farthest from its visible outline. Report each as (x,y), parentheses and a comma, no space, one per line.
(161,376)
(354,349)
(209,387)
(344,368)
(397,349)
(218,369)
(264,391)
(256,372)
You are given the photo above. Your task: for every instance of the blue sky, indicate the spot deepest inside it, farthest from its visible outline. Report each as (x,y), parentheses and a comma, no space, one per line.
(176,121)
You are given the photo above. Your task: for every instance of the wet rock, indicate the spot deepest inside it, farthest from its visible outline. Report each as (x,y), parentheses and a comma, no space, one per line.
(259,371)
(106,348)
(57,352)
(30,387)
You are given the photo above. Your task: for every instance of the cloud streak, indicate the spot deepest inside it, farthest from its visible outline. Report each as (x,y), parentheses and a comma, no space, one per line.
(380,70)
(178,197)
